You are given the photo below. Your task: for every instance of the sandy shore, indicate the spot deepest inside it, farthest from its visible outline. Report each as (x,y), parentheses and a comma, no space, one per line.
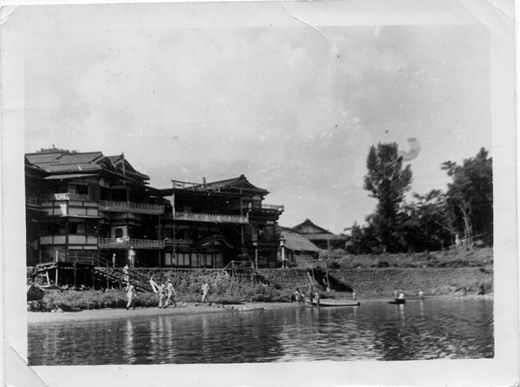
(192,308)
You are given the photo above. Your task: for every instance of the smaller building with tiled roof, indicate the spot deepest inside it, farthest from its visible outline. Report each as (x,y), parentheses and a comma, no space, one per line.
(321,237)
(298,249)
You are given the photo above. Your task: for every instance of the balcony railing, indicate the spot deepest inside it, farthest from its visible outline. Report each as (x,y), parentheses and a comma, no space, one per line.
(67,196)
(32,200)
(276,207)
(214,218)
(140,208)
(126,243)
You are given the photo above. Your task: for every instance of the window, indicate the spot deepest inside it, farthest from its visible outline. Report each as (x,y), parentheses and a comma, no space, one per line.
(90,227)
(73,228)
(118,232)
(81,189)
(53,228)
(81,228)
(183,259)
(168,233)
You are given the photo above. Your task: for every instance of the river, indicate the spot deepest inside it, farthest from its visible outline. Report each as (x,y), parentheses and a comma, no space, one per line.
(419,330)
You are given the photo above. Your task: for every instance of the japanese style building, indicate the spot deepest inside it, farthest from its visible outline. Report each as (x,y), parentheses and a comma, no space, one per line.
(89,205)
(299,250)
(322,238)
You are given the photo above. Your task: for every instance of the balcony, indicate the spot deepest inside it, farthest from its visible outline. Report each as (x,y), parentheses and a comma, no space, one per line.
(273,207)
(67,196)
(212,218)
(126,243)
(136,208)
(33,200)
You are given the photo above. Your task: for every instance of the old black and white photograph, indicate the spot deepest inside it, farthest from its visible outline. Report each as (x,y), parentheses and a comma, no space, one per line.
(300,193)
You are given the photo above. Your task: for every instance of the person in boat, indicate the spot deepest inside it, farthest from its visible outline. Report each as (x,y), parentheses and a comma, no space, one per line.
(395,294)
(421,294)
(205,290)
(130,294)
(354,296)
(401,295)
(171,294)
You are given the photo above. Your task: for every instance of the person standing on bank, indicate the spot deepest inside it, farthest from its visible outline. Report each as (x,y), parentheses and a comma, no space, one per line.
(130,294)
(311,296)
(113,261)
(126,277)
(317,298)
(171,294)
(162,295)
(131,257)
(205,291)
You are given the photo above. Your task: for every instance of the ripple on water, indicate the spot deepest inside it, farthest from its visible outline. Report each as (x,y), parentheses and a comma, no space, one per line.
(433,329)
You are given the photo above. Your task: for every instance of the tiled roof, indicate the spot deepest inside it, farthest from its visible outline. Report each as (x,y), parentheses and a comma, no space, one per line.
(59,162)
(233,183)
(325,237)
(308,223)
(297,242)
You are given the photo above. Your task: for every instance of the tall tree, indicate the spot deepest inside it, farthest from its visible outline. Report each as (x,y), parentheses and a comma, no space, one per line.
(387,181)
(427,222)
(470,196)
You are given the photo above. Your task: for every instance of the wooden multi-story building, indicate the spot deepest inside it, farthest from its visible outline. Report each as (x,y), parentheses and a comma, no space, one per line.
(80,204)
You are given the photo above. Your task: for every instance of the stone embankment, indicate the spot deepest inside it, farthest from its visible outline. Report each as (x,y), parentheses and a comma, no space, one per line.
(433,273)
(372,283)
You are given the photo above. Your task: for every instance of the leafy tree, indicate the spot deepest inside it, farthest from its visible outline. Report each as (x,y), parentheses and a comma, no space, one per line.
(54,150)
(426,222)
(387,181)
(470,196)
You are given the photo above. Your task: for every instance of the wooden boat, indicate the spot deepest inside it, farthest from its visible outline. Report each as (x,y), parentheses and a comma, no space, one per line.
(398,301)
(329,302)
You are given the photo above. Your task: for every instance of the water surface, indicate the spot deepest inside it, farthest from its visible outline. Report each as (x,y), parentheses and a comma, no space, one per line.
(419,330)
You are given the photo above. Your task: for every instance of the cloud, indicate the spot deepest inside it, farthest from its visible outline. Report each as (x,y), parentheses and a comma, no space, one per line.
(412,154)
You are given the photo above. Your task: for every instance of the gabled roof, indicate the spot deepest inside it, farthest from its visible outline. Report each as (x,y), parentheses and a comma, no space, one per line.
(297,242)
(121,163)
(32,170)
(307,224)
(326,237)
(65,162)
(234,184)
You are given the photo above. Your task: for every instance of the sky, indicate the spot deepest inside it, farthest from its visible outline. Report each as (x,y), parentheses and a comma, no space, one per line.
(218,91)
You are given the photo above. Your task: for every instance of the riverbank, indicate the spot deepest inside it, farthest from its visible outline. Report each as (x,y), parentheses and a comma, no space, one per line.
(195,308)
(182,309)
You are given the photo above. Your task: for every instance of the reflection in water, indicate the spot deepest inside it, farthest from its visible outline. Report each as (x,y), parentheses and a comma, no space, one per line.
(429,329)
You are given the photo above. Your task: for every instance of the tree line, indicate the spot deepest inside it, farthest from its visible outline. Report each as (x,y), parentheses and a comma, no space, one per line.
(437,220)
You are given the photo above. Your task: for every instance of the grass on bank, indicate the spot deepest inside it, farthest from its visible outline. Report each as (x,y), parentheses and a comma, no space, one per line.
(478,257)
(68,300)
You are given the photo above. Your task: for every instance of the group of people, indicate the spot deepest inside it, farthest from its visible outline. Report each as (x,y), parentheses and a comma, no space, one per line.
(299,297)
(165,291)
